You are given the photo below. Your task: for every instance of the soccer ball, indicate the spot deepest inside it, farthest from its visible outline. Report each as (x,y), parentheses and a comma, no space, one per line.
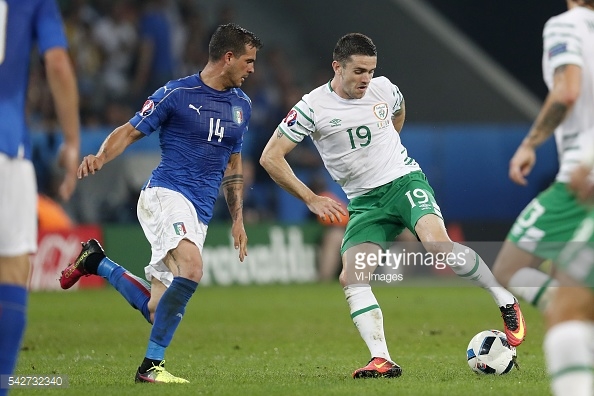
(489,353)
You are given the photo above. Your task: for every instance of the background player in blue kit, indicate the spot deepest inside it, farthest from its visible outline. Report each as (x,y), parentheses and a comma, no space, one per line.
(202,120)
(24,24)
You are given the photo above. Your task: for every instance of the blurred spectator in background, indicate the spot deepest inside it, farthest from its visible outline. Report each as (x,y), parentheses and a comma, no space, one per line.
(116,37)
(155,59)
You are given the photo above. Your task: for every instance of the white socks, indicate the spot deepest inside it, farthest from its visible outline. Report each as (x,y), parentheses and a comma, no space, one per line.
(368,319)
(476,271)
(568,350)
(534,286)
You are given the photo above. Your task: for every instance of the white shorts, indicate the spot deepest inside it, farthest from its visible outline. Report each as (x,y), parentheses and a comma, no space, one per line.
(167,217)
(18,207)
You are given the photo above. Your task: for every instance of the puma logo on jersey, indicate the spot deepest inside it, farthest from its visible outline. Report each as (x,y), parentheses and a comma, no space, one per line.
(191,106)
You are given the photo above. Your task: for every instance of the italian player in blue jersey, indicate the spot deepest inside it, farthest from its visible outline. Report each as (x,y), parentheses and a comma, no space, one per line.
(24,24)
(201,120)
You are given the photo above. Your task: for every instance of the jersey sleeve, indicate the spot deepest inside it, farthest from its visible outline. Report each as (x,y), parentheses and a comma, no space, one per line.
(299,122)
(562,44)
(398,98)
(49,29)
(239,145)
(154,112)
(245,115)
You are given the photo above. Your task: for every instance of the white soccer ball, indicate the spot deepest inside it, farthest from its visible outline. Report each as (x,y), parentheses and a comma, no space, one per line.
(489,353)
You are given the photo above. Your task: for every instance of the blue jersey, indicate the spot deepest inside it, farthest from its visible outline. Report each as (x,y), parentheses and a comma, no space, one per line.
(22,24)
(199,129)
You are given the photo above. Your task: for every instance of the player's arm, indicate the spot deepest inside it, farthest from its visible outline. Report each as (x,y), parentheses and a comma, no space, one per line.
(398,118)
(113,145)
(62,83)
(558,103)
(233,190)
(274,161)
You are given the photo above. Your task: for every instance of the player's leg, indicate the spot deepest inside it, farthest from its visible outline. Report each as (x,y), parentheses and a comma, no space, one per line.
(469,265)
(177,236)
(568,340)
(14,273)
(366,312)
(93,261)
(570,316)
(366,233)
(185,264)
(18,239)
(538,233)
(432,233)
(517,270)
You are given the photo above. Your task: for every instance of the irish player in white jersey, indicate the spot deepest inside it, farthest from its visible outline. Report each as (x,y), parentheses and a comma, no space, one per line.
(371,129)
(355,121)
(556,222)
(550,220)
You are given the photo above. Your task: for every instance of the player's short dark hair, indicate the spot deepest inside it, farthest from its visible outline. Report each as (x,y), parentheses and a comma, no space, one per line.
(233,38)
(353,44)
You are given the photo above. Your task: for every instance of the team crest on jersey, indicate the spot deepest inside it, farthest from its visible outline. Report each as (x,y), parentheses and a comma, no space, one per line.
(381,111)
(237,115)
(147,108)
(291,118)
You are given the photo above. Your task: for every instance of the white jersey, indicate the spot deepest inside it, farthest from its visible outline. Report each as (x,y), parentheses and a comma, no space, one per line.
(569,40)
(355,137)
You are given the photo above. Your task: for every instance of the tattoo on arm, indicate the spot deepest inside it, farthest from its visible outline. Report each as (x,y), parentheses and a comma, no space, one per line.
(279,133)
(550,120)
(233,190)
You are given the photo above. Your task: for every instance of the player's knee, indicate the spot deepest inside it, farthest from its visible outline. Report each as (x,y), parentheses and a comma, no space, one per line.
(194,273)
(435,247)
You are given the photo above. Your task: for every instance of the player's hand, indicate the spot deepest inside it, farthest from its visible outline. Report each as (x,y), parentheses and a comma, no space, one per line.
(521,164)
(582,184)
(90,164)
(68,158)
(240,239)
(326,207)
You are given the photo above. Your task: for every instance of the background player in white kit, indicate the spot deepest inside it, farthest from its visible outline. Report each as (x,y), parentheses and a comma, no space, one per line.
(551,218)
(568,111)
(354,121)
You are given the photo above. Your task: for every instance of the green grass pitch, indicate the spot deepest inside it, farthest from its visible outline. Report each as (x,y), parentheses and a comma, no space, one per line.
(277,340)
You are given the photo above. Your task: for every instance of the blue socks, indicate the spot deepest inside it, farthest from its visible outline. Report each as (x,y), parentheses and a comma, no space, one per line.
(134,289)
(13,319)
(169,313)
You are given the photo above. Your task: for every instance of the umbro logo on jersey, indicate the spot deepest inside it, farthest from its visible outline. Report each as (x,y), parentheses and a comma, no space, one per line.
(335,122)
(191,106)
